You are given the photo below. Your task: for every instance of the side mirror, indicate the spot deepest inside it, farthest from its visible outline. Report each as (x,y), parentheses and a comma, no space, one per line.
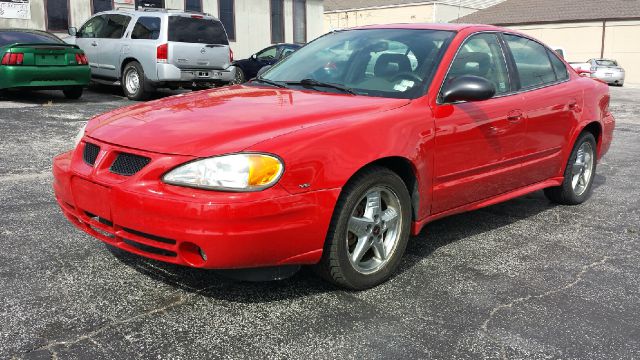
(263,70)
(583,72)
(468,88)
(72,31)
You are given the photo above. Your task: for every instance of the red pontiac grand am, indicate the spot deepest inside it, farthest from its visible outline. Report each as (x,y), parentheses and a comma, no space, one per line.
(337,154)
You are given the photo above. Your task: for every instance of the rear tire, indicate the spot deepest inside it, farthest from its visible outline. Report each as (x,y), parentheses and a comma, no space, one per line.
(578,174)
(369,231)
(73,93)
(133,81)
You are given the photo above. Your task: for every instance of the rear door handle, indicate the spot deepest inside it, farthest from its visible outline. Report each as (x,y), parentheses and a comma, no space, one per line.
(515,116)
(94,44)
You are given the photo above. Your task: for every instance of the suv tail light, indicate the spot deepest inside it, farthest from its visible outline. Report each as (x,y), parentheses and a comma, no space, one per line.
(230,55)
(81,59)
(162,53)
(12,59)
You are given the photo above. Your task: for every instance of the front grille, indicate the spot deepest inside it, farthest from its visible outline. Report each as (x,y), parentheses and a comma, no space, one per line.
(128,164)
(90,153)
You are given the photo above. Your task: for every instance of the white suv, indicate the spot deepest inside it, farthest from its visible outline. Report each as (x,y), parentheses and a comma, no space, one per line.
(145,50)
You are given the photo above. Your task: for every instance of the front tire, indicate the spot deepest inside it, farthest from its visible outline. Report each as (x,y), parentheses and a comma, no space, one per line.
(73,93)
(369,231)
(239,77)
(578,174)
(133,81)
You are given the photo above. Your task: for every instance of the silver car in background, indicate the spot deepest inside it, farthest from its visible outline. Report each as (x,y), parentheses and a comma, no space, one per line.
(607,70)
(154,48)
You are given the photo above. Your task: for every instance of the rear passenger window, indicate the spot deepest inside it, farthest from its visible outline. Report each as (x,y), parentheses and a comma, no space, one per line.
(481,55)
(532,62)
(114,26)
(147,28)
(558,67)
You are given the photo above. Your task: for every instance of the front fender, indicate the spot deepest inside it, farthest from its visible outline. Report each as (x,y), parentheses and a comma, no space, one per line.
(326,156)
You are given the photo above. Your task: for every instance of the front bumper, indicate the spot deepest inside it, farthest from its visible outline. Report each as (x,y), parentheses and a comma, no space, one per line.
(44,76)
(142,215)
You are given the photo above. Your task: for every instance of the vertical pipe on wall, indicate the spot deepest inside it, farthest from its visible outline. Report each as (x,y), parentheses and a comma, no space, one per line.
(604,30)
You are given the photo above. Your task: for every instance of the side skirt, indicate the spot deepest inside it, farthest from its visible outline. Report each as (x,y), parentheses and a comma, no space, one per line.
(418,225)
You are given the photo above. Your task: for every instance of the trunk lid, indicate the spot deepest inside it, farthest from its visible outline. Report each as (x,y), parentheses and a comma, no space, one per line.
(46,54)
(197,42)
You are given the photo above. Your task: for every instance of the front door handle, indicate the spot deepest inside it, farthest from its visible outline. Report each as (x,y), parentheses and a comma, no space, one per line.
(573,104)
(515,116)
(94,44)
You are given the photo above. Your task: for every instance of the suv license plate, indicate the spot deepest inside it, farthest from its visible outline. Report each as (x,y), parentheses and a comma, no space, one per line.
(203,74)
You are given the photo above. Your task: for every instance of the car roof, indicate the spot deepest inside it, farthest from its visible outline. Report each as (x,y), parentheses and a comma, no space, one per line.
(432,26)
(156,12)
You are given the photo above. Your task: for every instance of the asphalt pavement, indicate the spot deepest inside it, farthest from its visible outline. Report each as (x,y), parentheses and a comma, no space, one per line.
(522,279)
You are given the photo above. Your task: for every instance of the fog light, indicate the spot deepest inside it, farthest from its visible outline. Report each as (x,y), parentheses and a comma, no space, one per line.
(192,254)
(203,254)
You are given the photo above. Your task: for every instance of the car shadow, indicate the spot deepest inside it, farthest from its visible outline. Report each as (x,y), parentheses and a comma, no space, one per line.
(435,235)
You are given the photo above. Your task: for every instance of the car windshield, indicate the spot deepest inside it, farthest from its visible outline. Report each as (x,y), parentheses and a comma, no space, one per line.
(13,37)
(196,30)
(606,63)
(394,63)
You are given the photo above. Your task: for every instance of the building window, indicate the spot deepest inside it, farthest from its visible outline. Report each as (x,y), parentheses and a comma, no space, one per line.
(101,5)
(227,17)
(57,15)
(277,21)
(193,5)
(299,21)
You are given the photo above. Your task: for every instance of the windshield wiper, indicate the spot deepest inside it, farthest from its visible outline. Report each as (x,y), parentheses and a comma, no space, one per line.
(265,81)
(316,83)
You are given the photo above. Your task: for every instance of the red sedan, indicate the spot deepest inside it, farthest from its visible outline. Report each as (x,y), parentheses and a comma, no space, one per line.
(337,154)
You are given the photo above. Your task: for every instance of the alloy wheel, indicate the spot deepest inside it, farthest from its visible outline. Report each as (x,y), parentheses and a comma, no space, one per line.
(582,169)
(373,230)
(132,81)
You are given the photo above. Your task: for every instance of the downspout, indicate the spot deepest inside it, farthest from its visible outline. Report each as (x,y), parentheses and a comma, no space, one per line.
(604,30)
(433,18)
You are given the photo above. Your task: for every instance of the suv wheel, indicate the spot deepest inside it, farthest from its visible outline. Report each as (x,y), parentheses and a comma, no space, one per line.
(132,81)
(369,231)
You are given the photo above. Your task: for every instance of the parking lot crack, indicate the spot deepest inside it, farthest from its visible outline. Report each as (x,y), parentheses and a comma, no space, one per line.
(52,346)
(576,279)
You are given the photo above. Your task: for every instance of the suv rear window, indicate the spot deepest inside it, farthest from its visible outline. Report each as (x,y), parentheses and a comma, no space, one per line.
(194,30)
(12,37)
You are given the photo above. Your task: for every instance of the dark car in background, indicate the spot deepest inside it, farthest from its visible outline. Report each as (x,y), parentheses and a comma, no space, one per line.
(33,59)
(248,68)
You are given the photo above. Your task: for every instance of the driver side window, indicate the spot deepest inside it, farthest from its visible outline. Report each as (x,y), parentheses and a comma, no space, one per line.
(91,28)
(481,55)
(268,54)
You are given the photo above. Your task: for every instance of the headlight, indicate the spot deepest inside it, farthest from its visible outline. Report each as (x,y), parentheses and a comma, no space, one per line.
(79,135)
(235,172)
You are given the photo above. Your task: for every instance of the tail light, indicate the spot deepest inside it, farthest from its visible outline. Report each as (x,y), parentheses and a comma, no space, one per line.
(81,59)
(230,55)
(162,53)
(12,59)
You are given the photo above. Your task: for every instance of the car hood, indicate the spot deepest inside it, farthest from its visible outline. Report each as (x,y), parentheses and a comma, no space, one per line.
(225,120)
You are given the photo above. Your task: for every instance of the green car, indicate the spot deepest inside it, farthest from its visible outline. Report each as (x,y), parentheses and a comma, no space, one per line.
(33,59)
